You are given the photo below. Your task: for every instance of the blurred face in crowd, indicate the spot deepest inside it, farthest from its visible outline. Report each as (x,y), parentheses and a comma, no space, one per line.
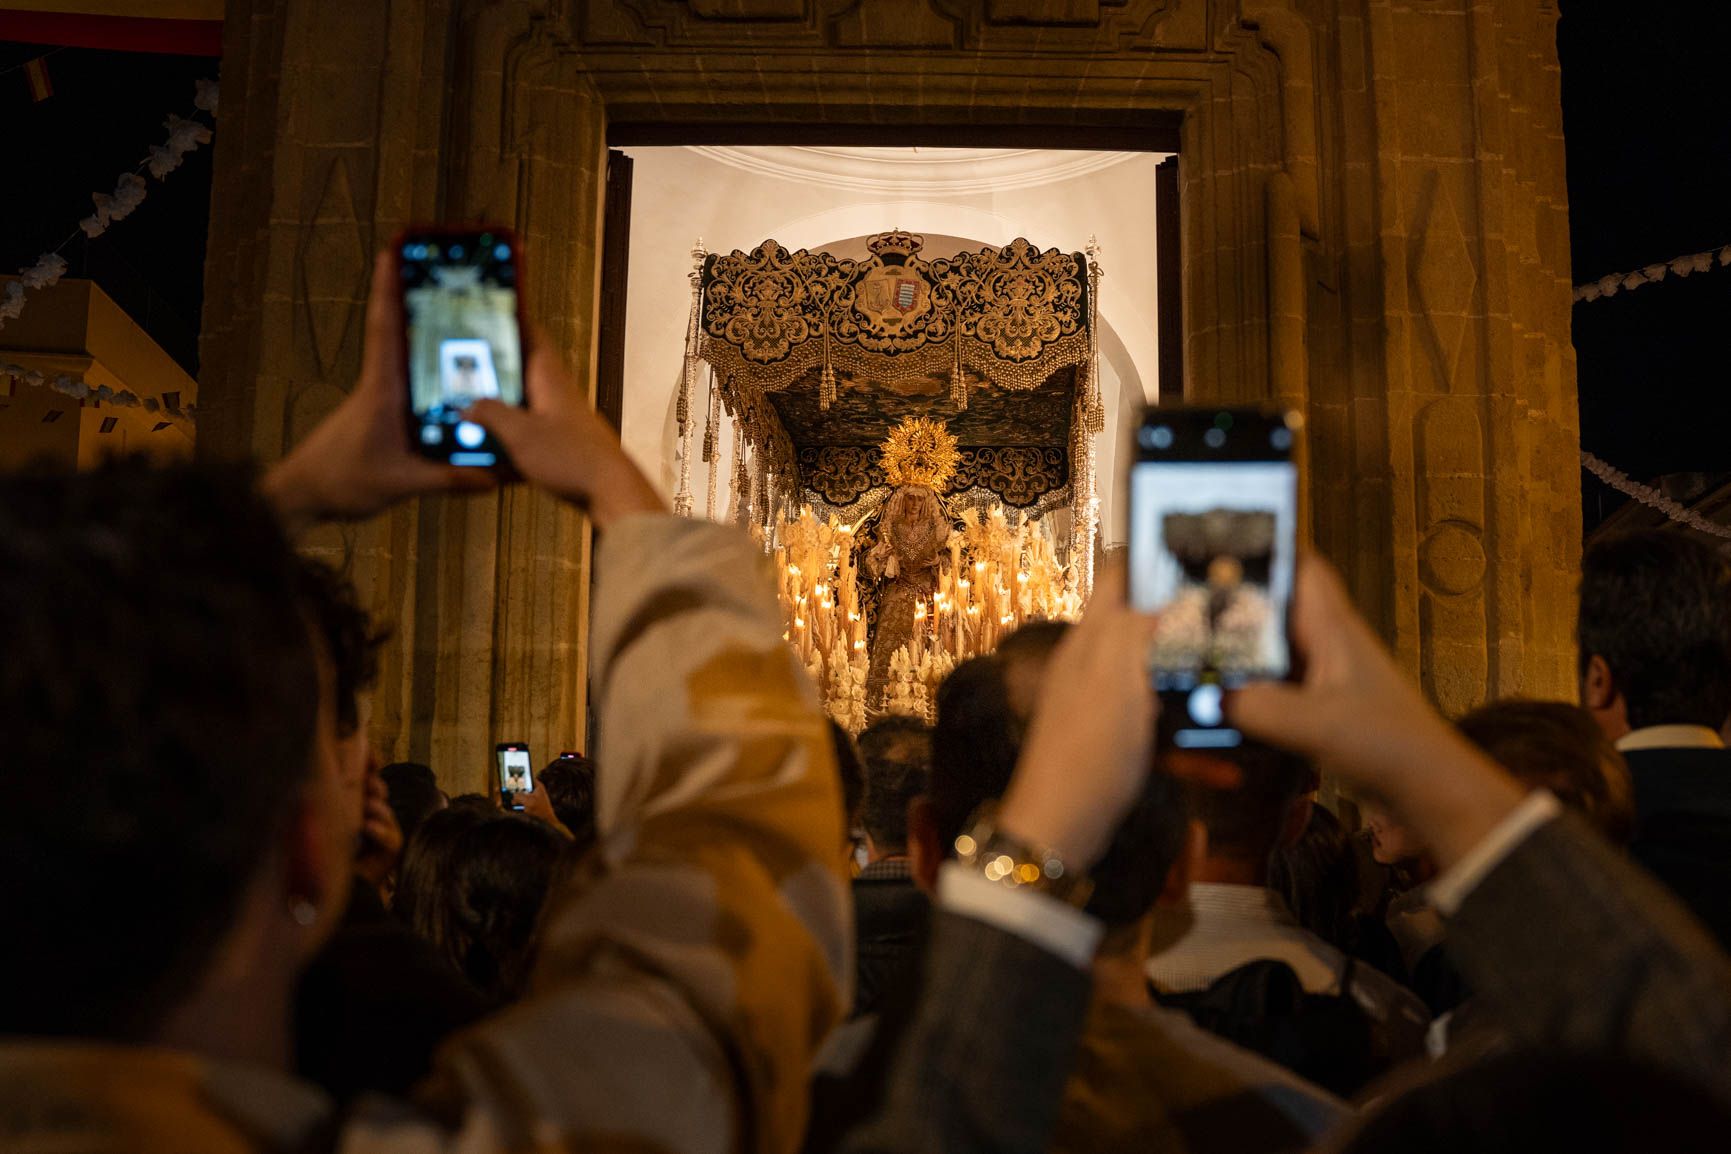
(1391,843)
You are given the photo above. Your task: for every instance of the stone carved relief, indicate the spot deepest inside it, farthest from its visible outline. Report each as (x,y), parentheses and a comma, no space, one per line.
(1448,454)
(333,265)
(1442,277)
(1051,25)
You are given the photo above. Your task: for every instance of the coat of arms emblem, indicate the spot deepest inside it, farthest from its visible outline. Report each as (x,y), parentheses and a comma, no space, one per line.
(894,292)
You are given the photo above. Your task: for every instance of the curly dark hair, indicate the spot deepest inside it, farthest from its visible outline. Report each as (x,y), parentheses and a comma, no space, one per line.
(159,697)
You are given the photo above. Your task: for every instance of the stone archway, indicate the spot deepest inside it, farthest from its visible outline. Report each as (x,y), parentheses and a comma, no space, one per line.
(1374,230)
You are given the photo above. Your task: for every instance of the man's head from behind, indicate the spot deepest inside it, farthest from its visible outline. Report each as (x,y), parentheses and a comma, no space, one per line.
(897,753)
(160,697)
(1267,811)
(413,792)
(570,786)
(984,707)
(1555,746)
(1655,632)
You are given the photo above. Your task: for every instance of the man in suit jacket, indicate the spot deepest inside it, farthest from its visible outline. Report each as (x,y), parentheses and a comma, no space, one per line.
(1576,948)
(1655,644)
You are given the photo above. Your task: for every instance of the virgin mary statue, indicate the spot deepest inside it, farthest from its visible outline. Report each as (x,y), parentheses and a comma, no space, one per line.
(919,458)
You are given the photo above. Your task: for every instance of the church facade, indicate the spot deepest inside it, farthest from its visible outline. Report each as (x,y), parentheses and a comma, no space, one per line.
(1373,230)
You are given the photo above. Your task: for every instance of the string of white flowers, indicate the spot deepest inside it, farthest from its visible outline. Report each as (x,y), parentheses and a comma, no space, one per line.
(185,135)
(1610,286)
(1651,497)
(80,390)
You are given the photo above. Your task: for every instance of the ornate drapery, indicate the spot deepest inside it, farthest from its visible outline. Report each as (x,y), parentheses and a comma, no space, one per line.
(988,323)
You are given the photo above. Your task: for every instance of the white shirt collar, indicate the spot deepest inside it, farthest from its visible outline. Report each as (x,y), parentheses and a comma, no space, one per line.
(1670,737)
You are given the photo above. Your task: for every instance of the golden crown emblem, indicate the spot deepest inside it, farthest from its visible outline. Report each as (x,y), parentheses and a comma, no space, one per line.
(920,451)
(896,242)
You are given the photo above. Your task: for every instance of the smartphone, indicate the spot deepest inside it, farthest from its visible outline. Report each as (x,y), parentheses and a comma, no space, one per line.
(1213,550)
(462,337)
(515,776)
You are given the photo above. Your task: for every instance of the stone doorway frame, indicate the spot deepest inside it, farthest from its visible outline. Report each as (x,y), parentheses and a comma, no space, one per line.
(1370,236)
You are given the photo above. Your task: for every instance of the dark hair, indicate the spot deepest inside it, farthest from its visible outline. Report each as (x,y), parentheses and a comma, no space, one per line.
(424,878)
(897,752)
(1523,1101)
(852,773)
(974,745)
(1246,823)
(974,749)
(478,802)
(1131,873)
(1657,607)
(155,648)
(1034,641)
(1555,746)
(1319,878)
(500,874)
(570,786)
(351,643)
(414,794)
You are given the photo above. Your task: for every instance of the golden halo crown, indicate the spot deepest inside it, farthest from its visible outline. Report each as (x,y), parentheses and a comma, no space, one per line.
(920,451)
(897,242)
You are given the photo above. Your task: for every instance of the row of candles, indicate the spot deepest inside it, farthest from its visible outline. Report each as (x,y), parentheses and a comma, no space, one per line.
(998,577)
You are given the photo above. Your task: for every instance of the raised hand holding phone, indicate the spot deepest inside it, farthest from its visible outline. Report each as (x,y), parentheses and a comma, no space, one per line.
(359,461)
(1213,544)
(515,776)
(463,337)
(362,459)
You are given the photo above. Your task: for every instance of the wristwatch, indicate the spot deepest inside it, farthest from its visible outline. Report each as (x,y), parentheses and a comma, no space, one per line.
(1009,861)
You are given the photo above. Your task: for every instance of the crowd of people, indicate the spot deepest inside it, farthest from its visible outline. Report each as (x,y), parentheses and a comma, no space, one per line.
(1029,926)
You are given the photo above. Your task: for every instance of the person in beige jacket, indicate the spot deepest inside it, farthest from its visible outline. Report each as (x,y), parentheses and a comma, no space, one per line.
(685,979)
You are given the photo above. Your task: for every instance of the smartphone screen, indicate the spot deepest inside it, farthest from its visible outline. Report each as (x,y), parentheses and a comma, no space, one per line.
(463,340)
(515,776)
(1213,541)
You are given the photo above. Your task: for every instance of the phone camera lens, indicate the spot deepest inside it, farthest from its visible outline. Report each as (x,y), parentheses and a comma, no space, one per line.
(1214,438)
(456,252)
(502,252)
(1281,439)
(1155,437)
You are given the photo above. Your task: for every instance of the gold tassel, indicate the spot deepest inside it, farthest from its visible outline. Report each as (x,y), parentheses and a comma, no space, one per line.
(826,379)
(826,388)
(958,378)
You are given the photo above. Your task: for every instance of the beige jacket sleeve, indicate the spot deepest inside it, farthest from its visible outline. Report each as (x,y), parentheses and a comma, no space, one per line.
(688,977)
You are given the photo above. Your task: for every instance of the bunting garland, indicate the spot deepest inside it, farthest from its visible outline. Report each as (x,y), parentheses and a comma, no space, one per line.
(1610,286)
(185,135)
(80,390)
(1651,497)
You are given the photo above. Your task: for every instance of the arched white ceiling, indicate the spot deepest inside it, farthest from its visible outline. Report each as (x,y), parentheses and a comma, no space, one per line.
(919,171)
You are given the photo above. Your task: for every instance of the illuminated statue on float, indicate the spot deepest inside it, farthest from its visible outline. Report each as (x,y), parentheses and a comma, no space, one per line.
(919,458)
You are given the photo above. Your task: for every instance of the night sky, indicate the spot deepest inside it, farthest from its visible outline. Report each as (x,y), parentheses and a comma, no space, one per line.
(1647,112)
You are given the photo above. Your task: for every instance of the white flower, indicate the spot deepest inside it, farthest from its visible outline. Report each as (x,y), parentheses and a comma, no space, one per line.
(128,194)
(12,302)
(47,270)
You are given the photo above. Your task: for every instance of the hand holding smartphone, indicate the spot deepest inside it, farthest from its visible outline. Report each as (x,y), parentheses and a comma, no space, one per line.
(515,775)
(462,337)
(1213,550)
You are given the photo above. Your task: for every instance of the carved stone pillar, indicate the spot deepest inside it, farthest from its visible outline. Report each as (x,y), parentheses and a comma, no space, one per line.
(342,123)
(1476,380)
